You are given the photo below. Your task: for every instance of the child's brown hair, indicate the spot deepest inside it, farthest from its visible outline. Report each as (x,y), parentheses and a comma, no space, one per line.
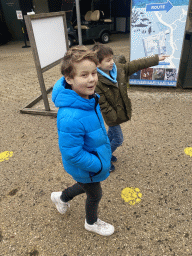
(75,55)
(102,51)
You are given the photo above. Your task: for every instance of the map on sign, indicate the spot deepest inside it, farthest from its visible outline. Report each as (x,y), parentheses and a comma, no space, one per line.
(157,27)
(155,44)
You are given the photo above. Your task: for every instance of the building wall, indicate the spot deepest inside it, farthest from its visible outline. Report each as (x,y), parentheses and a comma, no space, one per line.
(5,36)
(113,9)
(54,5)
(9,8)
(40,6)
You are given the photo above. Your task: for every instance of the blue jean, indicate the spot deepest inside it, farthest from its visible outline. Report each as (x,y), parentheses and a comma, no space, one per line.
(115,137)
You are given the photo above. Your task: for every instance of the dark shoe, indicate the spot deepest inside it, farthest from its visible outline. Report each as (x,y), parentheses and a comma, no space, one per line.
(113,159)
(112,168)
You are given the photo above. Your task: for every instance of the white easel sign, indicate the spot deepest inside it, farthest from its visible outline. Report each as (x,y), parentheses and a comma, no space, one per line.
(19,15)
(49,41)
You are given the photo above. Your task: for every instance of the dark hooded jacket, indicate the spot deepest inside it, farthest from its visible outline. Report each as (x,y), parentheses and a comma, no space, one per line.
(114,101)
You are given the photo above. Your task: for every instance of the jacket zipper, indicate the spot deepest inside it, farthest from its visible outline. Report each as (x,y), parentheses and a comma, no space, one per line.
(96,103)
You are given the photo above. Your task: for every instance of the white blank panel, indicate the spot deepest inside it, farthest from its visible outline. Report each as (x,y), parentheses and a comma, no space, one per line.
(50,39)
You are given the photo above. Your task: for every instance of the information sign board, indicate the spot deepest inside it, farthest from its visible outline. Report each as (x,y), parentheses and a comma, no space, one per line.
(157,27)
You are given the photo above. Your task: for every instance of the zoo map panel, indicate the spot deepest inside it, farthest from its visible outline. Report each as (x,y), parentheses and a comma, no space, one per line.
(158,28)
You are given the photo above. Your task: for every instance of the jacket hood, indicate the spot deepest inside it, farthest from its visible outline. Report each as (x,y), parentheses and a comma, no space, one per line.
(63,97)
(113,74)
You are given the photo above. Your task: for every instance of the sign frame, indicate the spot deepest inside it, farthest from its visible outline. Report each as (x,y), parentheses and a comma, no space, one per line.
(34,34)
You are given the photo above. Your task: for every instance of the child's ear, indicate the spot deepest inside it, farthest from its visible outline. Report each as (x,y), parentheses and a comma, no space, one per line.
(68,80)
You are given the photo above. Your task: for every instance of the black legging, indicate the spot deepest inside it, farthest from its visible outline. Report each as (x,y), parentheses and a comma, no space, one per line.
(94,194)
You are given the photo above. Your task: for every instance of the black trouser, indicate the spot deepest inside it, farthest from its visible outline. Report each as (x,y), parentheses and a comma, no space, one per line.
(94,194)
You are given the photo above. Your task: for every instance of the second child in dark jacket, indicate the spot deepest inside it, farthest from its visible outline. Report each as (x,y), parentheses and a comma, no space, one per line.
(112,88)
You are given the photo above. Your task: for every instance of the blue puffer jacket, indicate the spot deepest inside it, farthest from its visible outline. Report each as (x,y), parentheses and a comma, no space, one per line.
(83,141)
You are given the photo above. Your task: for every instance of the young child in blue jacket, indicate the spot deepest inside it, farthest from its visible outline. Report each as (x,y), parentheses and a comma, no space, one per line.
(83,140)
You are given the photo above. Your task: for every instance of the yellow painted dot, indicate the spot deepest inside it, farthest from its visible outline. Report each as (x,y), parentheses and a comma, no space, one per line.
(188,151)
(5,155)
(131,195)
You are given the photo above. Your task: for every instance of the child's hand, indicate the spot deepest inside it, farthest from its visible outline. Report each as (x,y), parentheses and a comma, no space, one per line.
(163,57)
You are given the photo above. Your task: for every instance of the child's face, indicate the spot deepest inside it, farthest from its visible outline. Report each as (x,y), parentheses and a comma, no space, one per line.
(107,63)
(85,79)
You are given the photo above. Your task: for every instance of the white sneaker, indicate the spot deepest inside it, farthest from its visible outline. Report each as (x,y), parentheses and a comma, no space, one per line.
(60,205)
(100,227)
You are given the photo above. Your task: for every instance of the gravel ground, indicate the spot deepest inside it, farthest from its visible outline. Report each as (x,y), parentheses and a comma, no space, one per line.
(151,159)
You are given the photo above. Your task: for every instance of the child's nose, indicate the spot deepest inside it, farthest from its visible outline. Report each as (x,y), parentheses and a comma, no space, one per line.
(91,77)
